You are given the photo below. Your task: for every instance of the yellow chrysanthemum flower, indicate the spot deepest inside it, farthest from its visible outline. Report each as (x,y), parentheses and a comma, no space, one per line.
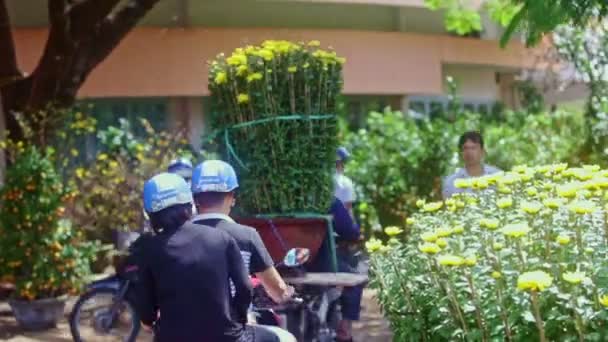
(450,260)
(505,202)
(553,203)
(314,43)
(292,69)
(470,260)
(532,191)
(443,232)
(429,237)
(266,54)
(604,300)
(497,246)
(429,248)
(373,245)
(489,223)
(410,221)
(458,230)
(242,70)
(574,277)
(520,168)
(256,76)
(432,207)
(503,189)
(531,208)
(515,230)
(463,183)
(393,231)
(534,281)
(563,239)
(583,207)
(496,275)
(441,242)
(242,98)
(221,78)
(568,190)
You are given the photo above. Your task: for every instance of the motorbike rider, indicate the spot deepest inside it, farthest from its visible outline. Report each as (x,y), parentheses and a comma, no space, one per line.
(185,271)
(214,183)
(347,242)
(181,167)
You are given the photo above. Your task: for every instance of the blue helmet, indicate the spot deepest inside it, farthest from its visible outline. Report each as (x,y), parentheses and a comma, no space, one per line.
(165,190)
(342,154)
(214,176)
(182,167)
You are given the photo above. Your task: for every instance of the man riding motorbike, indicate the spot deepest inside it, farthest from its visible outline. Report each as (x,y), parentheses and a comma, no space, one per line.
(214,183)
(185,271)
(181,167)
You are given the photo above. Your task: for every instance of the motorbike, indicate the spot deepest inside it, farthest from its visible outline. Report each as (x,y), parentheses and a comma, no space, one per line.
(315,316)
(106,310)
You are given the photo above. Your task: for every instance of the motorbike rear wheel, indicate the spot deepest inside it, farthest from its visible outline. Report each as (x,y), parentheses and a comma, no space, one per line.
(105,321)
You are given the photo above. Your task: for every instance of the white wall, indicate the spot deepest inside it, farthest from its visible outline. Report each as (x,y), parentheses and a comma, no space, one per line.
(473,82)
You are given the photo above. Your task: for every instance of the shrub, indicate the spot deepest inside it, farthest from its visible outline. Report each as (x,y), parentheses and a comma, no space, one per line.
(109,196)
(41,252)
(397,160)
(521,258)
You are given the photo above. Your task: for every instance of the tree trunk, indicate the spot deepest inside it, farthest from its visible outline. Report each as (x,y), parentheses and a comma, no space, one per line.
(81,35)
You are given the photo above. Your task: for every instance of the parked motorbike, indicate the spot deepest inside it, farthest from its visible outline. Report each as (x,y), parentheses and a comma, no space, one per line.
(106,310)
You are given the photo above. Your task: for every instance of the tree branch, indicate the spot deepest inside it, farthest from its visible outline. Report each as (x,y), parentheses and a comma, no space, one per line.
(86,14)
(9,70)
(57,54)
(115,28)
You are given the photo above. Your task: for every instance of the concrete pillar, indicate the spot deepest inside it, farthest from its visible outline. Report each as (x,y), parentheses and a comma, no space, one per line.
(186,113)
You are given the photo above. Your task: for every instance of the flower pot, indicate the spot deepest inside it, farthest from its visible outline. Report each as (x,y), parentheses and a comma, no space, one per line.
(39,314)
(282,233)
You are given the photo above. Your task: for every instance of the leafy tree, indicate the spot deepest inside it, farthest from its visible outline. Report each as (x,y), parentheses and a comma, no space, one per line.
(533,17)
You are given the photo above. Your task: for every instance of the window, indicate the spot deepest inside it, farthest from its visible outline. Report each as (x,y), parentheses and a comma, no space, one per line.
(108,112)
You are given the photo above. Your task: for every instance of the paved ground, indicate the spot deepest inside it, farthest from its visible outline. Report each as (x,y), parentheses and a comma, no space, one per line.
(372,327)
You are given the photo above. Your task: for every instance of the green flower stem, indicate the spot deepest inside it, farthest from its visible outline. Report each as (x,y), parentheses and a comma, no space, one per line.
(478,312)
(503,311)
(580,326)
(452,296)
(520,254)
(459,318)
(403,284)
(579,241)
(537,317)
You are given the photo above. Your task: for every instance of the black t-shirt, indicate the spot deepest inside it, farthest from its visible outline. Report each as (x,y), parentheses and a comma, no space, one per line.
(185,274)
(254,253)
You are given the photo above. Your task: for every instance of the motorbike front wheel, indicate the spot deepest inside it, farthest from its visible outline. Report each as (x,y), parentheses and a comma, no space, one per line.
(99,315)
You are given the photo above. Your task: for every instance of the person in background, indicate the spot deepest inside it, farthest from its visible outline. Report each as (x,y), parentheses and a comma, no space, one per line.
(347,242)
(183,290)
(214,183)
(181,167)
(471,146)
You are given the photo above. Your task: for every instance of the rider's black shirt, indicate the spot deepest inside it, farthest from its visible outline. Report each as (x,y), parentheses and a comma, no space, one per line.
(254,253)
(185,275)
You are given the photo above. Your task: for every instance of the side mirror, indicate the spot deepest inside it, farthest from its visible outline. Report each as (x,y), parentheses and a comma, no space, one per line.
(296,257)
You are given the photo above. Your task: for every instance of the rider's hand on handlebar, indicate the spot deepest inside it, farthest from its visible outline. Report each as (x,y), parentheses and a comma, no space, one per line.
(288,293)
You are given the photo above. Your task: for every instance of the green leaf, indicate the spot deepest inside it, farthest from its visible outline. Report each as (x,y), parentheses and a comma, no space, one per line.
(528,316)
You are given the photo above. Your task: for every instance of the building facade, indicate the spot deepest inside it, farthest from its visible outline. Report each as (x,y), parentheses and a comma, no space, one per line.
(398,54)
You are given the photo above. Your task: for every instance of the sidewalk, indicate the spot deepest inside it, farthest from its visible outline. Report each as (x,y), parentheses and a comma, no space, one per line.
(372,327)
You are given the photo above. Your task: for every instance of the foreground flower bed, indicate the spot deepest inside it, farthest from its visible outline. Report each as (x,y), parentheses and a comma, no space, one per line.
(523,258)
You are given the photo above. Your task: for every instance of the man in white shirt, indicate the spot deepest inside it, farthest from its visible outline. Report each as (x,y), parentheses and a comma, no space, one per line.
(473,152)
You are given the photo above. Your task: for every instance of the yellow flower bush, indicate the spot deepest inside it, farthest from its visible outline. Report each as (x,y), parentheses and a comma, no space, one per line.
(531,262)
